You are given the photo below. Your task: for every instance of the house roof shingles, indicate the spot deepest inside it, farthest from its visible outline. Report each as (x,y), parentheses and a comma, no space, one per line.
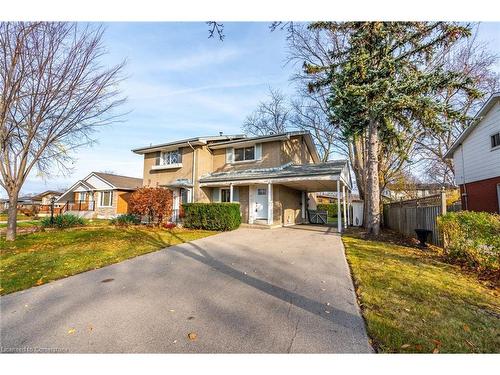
(121,182)
(286,170)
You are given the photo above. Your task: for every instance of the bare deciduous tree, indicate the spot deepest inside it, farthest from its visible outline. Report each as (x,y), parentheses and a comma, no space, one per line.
(310,113)
(271,116)
(476,61)
(54,93)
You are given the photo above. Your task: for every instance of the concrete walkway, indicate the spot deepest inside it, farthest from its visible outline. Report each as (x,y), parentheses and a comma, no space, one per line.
(266,291)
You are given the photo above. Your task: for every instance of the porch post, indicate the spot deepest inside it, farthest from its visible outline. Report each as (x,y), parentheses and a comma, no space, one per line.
(269,203)
(339,219)
(303,206)
(348,208)
(230,192)
(345,215)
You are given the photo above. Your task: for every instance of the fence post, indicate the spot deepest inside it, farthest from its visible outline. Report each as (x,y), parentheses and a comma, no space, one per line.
(443,201)
(443,212)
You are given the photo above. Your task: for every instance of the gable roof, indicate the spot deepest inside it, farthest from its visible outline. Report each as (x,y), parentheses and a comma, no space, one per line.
(115,181)
(492,100)
(41,195)
(196,141)
(118,181)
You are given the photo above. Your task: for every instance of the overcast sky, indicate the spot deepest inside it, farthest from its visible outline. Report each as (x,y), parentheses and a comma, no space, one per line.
(181,84)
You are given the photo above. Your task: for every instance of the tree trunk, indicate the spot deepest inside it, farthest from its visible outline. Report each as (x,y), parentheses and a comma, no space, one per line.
(372,193)
(12,216)
(358,165)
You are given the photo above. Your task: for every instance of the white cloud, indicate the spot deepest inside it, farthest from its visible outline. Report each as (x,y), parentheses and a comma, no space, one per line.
(203,58)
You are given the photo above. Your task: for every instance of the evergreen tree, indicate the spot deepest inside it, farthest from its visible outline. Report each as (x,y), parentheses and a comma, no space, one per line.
(380,89)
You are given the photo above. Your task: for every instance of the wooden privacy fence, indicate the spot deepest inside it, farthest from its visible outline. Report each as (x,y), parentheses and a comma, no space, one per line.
(406,216)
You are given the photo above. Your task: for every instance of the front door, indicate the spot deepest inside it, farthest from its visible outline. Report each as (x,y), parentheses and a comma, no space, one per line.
(261,202)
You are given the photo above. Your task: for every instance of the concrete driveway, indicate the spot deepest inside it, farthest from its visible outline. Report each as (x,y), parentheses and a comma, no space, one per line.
(285,290)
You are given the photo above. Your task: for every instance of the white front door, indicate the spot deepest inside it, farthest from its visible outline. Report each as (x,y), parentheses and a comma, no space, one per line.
(261,202)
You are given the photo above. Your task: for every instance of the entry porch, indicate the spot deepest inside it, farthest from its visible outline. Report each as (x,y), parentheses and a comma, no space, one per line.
(282,197)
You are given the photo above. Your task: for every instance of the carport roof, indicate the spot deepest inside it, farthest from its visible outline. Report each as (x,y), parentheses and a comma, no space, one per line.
(332,169)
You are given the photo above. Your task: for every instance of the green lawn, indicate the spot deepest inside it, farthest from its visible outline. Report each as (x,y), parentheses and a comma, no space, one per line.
(38,258)
(4,217)
(22,224)
(414,302)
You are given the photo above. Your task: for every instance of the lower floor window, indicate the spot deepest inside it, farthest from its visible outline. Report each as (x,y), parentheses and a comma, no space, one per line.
(184,195)
(106,198)
(225,195)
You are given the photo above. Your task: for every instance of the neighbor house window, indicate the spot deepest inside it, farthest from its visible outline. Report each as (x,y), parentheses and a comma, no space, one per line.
(81,196)
(106,198)
(244,153)
(170,157)
(495,140)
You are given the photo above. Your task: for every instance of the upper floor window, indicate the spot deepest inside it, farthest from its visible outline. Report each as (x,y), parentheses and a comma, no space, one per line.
(170,157)
(495,140)
(244,153)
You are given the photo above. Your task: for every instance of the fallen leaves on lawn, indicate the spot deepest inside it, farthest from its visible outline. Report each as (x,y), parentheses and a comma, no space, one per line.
(39,282)
(435,351)
(405,346)
(466,328)
(470,344)
(192,336)
(418,347)
(328,312)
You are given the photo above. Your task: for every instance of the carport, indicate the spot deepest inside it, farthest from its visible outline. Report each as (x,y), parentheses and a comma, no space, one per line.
(332,176)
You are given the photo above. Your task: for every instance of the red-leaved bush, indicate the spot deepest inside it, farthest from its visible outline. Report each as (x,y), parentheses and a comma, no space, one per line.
(155,203)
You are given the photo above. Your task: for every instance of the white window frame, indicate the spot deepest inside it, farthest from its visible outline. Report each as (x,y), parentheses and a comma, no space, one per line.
(101,196)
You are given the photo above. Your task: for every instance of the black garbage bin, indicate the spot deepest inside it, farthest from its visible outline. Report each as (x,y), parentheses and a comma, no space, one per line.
(422,236)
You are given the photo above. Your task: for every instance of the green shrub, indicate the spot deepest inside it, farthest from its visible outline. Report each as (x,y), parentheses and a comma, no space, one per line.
(331,208)
(472,238)
(125,220)
(212,216)
(63,221)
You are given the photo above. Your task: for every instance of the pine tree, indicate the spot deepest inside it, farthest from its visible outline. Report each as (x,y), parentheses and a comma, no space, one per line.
(379,88)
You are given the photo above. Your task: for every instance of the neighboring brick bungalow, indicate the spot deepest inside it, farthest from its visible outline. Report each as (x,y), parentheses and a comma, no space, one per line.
(99,195)
(476,156)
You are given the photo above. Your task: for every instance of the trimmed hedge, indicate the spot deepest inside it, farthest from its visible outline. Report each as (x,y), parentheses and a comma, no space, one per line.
(331,208)
(472,238)
(63,221)
(212,216)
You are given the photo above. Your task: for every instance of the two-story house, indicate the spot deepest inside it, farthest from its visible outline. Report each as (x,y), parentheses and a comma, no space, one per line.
(476,157)
(272,176)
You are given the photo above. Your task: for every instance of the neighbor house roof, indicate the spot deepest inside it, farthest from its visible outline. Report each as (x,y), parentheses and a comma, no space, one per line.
(196,141)
(287,170)
(41,195)
(116,182)
(120,182)
(492,100)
